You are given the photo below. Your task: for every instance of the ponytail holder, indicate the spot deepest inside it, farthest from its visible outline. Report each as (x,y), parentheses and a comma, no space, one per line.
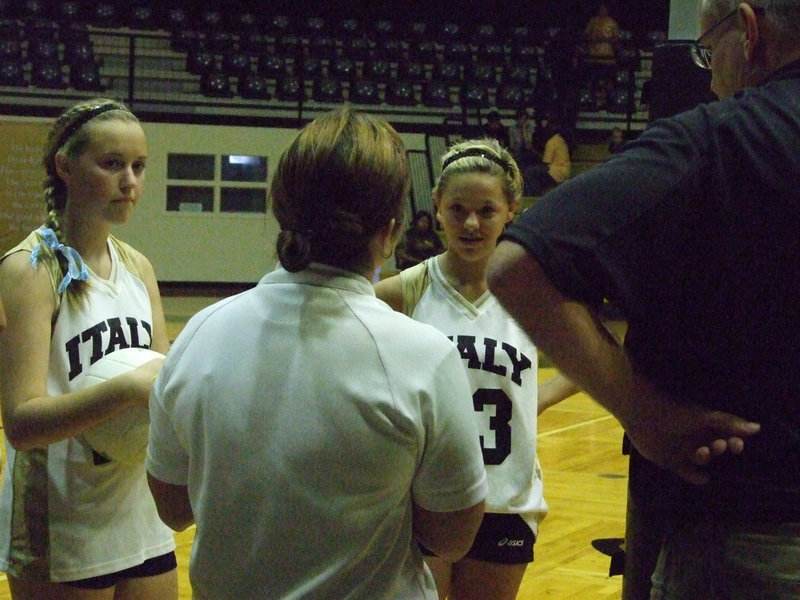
(477,152)
(76,269)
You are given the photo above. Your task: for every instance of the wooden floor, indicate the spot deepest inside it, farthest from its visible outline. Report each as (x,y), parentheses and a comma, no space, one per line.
(585,479)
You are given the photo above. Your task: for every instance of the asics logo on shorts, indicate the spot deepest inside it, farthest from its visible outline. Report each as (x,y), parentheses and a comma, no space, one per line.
(511,543)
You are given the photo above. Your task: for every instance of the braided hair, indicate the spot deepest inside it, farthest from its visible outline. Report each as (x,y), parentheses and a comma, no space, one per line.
(69,135)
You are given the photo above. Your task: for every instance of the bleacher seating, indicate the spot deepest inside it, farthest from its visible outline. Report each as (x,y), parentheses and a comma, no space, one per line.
(220,57)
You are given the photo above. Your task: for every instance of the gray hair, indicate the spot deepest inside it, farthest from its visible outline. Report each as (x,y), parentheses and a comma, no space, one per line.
(782,16)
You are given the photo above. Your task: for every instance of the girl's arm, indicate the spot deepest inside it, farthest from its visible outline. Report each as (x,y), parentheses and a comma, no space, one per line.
(390,291)
(32,418)
(554,390)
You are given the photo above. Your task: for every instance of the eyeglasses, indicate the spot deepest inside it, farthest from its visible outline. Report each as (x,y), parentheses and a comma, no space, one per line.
(701,54)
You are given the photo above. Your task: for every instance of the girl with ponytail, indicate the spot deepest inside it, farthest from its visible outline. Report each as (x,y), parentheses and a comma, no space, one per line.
(75,524)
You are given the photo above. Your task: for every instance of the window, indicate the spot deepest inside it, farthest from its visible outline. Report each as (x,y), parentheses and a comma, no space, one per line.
(209,183)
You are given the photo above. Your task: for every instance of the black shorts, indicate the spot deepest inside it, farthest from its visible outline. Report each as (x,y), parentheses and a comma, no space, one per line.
(501,538)
(149,568)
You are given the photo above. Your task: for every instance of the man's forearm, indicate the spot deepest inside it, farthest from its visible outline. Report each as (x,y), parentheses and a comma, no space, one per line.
(678,436)
(566,331)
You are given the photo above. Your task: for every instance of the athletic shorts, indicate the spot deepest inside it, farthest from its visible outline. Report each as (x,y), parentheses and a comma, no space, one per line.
(149,568)
(501,538)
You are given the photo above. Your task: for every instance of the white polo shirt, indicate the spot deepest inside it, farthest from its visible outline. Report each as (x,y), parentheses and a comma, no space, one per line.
(304,415)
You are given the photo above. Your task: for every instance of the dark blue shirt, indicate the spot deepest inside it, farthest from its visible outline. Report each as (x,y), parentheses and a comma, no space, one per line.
(693,231)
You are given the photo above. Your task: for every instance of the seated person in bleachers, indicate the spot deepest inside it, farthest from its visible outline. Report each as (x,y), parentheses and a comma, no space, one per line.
(616,140)
(555,165)
(496,129)
(419,242)
(521,139)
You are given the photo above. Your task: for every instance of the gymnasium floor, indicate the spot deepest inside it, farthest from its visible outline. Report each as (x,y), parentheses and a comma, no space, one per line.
(585,478)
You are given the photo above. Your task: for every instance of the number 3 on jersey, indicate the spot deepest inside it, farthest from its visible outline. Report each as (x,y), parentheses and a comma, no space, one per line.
(495,425)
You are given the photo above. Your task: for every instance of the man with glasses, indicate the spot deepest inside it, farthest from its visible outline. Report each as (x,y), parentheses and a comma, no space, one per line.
(693,231)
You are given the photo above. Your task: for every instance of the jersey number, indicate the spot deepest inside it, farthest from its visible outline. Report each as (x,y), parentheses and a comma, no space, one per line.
(499,424)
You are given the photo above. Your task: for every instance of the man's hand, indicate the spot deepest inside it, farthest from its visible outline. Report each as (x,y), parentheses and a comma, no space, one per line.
(682,438)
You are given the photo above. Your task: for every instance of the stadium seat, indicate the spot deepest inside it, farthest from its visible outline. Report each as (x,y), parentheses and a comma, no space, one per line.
(236,63)
(12,73)
(327,89)
(364,91)
(483,73)
(220,40)
(143,16)
(43,50)
(342,68)
(474,95)
(437,94)
(272,65)
(377,70)
(357,48)
(216,84)
(48,75)
(311,67)
(200,61)
(391,49)
(253,87)
(401,93)
(104,14)
(620,101)
(79,53)
(86,77)
(517,73)
(10,50)
(511,96)
(448,73)
(290,89)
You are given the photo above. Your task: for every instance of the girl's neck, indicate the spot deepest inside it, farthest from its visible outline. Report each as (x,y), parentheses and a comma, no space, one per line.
(90,239)
(468,277)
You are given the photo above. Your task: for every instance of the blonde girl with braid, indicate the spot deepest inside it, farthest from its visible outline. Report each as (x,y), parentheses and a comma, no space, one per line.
(75,525)
(476,196)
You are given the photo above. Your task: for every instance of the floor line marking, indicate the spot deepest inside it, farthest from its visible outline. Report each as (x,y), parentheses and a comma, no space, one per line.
(575,426)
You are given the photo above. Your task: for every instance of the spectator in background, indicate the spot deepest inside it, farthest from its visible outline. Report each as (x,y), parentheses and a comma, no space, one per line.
(419,242)
(616,140)
(602,36)
(555,165)
(521,139)
(496,129)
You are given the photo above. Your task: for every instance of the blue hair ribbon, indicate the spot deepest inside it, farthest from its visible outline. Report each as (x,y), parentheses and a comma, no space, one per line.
(76,269)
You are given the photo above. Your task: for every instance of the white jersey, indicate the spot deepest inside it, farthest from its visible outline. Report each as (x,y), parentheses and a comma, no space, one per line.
(66,513)
(502,367)
(304,416)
